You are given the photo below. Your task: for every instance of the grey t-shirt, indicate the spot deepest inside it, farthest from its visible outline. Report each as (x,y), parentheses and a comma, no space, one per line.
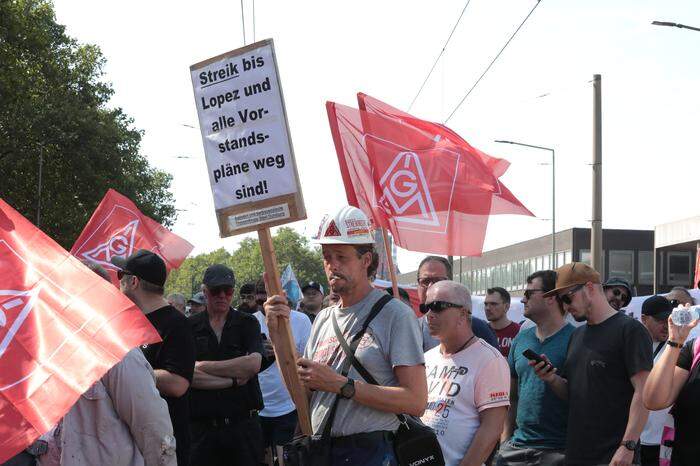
(392,339)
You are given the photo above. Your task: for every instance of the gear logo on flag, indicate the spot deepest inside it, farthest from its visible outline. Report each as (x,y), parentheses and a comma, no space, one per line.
(121,243)
(15,306)
(405,191)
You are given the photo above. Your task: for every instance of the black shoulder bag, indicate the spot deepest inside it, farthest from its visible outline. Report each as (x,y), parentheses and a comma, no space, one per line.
(315,450)
(414,442)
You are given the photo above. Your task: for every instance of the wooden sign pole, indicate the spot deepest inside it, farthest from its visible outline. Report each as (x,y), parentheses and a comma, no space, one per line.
(390,264)
(285,350)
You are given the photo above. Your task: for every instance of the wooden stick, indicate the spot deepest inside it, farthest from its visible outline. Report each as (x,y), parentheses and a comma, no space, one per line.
(390,264)
(285,350)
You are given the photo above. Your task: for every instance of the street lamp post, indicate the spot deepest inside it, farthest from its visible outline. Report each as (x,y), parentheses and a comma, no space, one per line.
(674,25)
(554,231)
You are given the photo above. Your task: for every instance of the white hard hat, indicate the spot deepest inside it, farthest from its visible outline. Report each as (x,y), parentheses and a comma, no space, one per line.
(349,226)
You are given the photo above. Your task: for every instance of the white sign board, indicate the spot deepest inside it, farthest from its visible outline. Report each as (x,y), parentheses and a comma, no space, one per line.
(248,149)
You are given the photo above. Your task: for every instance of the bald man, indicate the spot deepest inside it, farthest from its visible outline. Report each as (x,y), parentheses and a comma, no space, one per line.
(468,379)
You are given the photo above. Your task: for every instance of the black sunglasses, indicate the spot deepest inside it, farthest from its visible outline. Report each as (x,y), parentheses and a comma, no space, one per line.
(566,297)
(620,294)
(439,306)
(216,290)
(528,293)
(674,303)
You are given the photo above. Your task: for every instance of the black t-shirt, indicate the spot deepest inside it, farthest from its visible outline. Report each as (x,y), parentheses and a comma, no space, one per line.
(239,337)
(600,361)
(686,413)
(175,354)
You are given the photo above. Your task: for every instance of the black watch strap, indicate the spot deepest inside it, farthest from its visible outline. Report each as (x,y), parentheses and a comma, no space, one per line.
(347,391)
(631,445)
(673,344)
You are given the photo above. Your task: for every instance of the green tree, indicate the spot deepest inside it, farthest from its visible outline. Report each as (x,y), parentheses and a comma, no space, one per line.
(53,105)
(290,248)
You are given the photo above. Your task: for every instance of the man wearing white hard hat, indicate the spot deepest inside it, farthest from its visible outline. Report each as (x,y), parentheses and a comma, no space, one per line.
(389,348)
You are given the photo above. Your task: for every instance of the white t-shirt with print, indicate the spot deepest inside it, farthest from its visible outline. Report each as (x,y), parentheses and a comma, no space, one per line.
(460,386)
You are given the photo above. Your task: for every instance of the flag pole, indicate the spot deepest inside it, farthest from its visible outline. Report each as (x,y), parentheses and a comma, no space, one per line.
(390,263)
(285,351)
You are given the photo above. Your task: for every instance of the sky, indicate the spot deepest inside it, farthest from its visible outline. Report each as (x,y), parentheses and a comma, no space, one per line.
(538,92)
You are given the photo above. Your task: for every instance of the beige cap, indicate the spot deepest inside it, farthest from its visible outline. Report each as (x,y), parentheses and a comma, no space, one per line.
(575,273)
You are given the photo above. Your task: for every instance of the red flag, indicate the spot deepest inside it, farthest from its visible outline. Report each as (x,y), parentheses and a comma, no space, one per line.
(419,179)
(118,228)
(61,328)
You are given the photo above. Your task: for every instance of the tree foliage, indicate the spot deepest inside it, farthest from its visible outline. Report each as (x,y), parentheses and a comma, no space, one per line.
(53,104)
(290,248)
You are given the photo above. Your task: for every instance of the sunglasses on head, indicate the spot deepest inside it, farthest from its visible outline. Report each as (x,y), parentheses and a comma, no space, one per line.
(439,306)
(227,290)
(620,294)
(566,297)
(528,293)
(427,281)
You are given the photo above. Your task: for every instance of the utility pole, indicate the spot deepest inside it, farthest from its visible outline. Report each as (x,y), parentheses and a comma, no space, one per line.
(451,259)
(597,218)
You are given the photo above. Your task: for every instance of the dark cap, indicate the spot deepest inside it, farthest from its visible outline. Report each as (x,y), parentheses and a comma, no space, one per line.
(145,265)
(617,281)
(198,298)
(218,275)
(247,288)
(657,307)
(575,273)
(313,285)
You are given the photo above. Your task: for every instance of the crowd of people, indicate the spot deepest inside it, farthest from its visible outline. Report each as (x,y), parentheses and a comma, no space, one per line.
(579,382)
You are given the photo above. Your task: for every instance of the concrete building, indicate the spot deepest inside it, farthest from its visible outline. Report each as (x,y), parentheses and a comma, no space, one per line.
(676,245)
(626,253)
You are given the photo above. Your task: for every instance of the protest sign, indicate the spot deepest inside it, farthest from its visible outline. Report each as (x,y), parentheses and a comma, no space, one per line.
(252,172)
(247,146)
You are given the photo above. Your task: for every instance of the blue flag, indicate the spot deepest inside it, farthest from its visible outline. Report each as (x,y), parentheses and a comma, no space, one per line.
(290,285)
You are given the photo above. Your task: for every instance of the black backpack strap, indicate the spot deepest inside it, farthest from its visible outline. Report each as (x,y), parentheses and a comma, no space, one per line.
(327,423)
(350,350)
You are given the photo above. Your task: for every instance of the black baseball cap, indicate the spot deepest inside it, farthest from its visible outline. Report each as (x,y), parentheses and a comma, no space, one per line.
(218,275)
(144,264)
(617,281)
(657,307)
(312,285)
(198,298)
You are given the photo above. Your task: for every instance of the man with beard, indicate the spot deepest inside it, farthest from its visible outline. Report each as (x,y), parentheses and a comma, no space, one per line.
(247,299)
(607,364)
(535,431)
(618,292)
(141,278)
(387,343)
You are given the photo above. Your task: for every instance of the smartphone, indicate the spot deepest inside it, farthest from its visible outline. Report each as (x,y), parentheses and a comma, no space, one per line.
(532,356)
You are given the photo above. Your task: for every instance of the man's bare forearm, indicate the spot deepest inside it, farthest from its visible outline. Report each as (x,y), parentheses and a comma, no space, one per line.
(243,367)
(170,384)
(486,436)
(205,381)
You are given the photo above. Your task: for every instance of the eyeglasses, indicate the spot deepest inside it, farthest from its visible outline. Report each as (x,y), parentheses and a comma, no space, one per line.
(566,297)
(528,293)
(439,306)
(427,281)
(121,274)
(217,290)
(620,294)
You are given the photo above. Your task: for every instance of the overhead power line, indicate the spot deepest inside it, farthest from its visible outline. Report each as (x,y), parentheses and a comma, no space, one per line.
(439,55)
(492,62)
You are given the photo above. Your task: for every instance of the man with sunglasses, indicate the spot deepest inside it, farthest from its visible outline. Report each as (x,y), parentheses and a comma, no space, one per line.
(434,269)
(468,379)
(141,278)
(535,433)
(607,364)
(618,292)
(226,396)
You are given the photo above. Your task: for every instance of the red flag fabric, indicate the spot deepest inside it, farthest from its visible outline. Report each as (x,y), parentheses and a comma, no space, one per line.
(118,228)
(423,182)
(61,328)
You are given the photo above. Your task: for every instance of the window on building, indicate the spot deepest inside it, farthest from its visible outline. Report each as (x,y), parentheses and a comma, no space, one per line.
(560,259)
(622,264)
(545,262)
(567,257)
(645,273)
(678,270)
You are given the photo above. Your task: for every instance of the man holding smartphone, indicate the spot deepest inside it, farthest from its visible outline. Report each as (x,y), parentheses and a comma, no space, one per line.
(540,416)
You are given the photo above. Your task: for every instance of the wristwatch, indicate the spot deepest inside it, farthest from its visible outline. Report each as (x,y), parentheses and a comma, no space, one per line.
(631,445)
(673,344)
(347,391)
